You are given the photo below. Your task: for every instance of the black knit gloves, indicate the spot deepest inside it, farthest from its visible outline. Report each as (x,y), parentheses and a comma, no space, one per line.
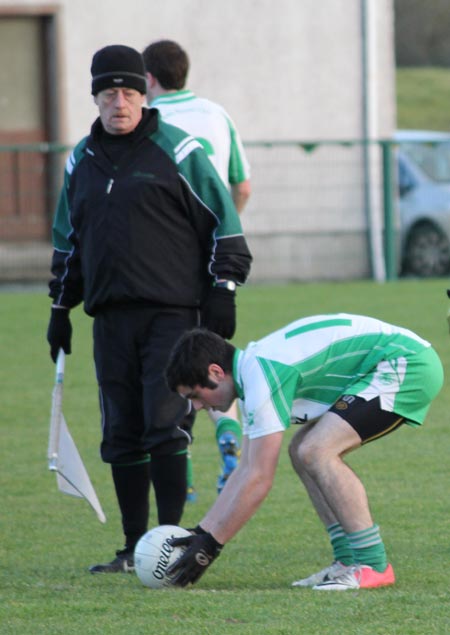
(59,332)
(219,312)
(202,549)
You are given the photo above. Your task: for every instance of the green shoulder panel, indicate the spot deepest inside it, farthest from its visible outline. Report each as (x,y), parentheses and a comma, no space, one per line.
(194,166)
(61,222)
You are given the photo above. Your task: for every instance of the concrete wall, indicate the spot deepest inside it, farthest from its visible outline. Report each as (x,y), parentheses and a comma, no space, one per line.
(306,219)
(283,70)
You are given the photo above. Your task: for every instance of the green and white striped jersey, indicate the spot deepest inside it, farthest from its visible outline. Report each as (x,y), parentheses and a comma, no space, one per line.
(299,371)
(210,124)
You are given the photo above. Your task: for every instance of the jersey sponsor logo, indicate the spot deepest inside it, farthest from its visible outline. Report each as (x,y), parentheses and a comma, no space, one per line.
(385,378)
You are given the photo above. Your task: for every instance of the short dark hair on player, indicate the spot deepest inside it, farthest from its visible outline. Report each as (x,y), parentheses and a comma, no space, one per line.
(191,356)
(168,62)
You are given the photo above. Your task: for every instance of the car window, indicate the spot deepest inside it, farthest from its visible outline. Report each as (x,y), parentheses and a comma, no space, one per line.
(432,158)
(406,180)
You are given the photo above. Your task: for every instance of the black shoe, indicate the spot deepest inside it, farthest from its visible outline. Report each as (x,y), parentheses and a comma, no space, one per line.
(122,563)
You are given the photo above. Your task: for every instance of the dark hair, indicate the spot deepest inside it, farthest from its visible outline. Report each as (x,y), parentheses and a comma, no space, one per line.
(191,356)
(168,62)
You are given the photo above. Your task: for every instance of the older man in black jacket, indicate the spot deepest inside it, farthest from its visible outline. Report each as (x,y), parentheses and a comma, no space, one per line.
(147,236)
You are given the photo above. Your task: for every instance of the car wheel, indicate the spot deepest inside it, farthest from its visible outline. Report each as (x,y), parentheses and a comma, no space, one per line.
(427,252)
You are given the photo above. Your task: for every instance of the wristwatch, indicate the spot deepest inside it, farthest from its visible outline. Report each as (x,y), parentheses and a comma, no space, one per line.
(226,284)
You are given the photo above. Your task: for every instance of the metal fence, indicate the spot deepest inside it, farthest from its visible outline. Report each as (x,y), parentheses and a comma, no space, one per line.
(318,210)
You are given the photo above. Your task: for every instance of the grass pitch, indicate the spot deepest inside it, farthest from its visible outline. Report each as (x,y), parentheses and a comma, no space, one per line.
(49,540)
(422,97)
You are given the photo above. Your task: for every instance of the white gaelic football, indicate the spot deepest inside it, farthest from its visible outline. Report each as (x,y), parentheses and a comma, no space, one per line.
(153,555)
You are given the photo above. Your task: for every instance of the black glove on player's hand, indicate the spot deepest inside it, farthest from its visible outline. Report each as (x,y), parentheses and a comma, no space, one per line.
(197,530)
(202,550)
(219,312)
(448,293)
(59,332)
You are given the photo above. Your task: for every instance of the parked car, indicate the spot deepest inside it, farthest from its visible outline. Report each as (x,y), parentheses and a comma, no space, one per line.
(423,160)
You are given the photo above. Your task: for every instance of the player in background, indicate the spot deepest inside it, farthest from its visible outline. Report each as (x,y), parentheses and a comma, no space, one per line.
(167,66)
(348,380)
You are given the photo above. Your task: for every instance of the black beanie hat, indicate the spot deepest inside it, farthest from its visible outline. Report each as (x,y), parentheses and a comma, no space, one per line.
(118,66)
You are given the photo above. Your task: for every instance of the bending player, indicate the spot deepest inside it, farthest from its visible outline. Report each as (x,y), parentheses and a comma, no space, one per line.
(349,380)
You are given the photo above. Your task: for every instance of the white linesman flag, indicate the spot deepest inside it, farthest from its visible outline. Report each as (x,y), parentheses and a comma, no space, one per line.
(63,456)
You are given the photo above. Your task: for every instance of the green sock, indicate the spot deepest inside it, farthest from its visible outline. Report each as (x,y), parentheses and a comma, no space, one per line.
(225,424)
(368,548)
(339,543)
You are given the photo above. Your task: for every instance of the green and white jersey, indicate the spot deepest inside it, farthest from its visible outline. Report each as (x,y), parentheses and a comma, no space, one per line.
(299,371)
(210,124)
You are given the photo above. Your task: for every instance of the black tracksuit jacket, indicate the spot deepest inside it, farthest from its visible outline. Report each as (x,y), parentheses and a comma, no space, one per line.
(156,228)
